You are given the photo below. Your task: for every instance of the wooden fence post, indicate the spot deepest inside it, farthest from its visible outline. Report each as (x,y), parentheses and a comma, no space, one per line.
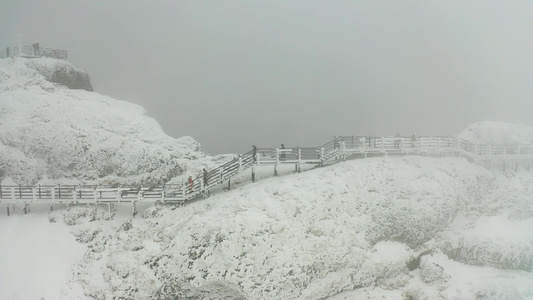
(277,162)
(299,159)
(253,174)
(343,147)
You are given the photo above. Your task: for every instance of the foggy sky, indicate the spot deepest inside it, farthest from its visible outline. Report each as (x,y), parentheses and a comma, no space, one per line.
(236,73)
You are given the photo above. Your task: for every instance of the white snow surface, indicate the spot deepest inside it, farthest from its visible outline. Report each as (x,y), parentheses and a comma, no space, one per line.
(36,258)
(50,134)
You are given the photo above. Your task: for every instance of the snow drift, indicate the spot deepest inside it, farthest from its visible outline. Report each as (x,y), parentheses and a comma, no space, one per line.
(51,134)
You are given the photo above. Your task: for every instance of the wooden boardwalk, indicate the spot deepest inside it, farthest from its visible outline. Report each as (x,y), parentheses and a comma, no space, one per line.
(340,148)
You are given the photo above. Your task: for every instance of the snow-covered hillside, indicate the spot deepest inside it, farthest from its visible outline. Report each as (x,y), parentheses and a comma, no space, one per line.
(497,133)
(380,228)
(425,228)
(52,134)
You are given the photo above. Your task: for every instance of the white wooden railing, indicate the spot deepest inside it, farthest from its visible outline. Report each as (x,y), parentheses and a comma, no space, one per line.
(33,51)
(337,149)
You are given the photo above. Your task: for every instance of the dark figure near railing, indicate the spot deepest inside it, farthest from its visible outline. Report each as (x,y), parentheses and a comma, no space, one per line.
(283,153)
(254,152)
(205,177)
(397,141)
(36,49)
(413,139)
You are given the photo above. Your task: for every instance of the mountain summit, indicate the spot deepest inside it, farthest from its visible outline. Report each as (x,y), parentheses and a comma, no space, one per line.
(53,130)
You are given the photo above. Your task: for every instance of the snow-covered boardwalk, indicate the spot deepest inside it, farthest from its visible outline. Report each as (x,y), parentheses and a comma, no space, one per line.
(338,149)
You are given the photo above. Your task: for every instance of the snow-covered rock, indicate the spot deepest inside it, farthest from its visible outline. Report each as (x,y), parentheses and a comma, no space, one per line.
(18,72)
(51,134)
(497,133)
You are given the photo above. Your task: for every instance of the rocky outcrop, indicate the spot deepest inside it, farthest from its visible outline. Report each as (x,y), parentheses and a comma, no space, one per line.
(62,72)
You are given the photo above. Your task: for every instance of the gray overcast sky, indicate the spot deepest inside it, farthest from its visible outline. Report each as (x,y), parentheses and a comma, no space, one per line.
(236,73)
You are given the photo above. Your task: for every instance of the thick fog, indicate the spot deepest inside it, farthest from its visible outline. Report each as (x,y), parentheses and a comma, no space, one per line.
(236,73)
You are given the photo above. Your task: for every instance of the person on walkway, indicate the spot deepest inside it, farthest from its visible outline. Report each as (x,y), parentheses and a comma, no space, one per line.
(191,184)
(413,139)
(397,141)
(36,49)
(205,177)
(283,155)
(254,153)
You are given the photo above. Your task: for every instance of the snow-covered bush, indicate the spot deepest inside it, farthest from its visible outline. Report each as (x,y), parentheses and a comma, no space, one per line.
(80,215)
(86,235)
(431,271)
(482,252)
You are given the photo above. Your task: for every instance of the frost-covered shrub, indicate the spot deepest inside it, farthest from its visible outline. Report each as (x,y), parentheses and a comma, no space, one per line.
(80,215)
(498,292)
(126,225)
(158,210)
(431,271)
(409,223)
(86,235)
(503,255)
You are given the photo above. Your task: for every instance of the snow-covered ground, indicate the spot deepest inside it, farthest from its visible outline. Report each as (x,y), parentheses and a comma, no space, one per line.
(36,258)
(352,230)
(405,227)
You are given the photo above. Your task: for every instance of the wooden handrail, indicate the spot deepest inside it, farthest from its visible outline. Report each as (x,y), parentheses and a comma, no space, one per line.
(264,156)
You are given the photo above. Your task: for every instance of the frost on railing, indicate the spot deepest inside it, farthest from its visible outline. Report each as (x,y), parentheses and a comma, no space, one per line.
(339,148)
